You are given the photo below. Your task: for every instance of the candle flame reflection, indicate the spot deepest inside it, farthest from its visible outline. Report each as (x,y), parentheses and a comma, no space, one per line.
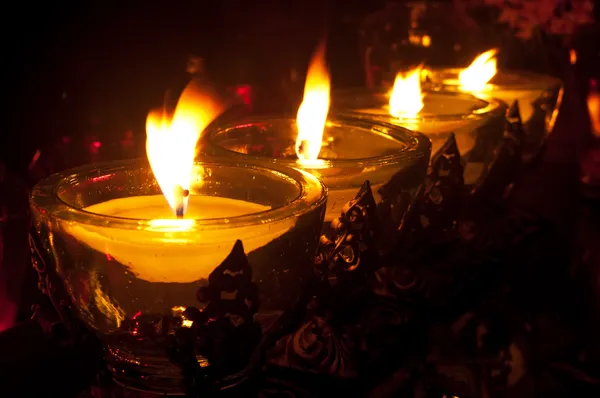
(406,98)
(475,77)
(171,225)
(312,113)
(171,142)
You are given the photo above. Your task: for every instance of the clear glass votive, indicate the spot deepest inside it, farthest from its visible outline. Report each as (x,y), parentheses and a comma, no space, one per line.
(129,266)
(539,96)
(354,150)
(477,124)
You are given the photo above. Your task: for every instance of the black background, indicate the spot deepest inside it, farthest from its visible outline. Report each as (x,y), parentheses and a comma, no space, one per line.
(71,64)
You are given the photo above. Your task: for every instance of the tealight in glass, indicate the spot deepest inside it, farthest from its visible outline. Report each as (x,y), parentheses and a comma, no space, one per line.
(539,96)
(477,124)
(127,267)
(353,150)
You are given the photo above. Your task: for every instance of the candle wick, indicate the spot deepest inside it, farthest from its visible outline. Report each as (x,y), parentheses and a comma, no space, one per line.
(180,195)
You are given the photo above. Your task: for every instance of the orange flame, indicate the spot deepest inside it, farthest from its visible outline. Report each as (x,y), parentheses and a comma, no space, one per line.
(312,113)
(171,142)
(480,72)
(406,98)
(593,103)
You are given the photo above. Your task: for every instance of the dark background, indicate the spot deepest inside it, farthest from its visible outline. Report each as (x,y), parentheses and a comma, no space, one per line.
(72,67)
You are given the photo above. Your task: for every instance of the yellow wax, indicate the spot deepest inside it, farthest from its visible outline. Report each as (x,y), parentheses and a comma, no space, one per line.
(162,254)
(439,131)
(436,130)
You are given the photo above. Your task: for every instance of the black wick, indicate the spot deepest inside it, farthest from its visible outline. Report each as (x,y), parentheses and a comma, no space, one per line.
(180,195)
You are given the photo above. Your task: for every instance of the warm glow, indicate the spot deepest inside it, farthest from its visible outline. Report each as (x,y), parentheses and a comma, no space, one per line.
(593,103)
(312,113)
(406,98)
(170,225)
(482,70)
(426,41)
(171,142)
(573,56)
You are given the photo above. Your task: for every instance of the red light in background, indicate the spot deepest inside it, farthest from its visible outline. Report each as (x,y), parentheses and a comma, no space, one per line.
(95,146)
(245,93)
(36,157)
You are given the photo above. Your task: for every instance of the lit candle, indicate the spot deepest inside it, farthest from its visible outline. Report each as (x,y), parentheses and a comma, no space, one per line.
(476,123)
(343,153)
(128,263)
(166,249)
(133,241)
(539,96)
(353,150)
(169,241)
(442,114)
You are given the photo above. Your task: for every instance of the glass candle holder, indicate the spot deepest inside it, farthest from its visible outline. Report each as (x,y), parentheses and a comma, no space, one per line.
(354,150)
(539,96)
(477,124)
(129,266)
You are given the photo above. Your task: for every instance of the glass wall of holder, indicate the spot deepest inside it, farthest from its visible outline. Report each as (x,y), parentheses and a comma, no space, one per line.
(539,97)
(477,124)
(353,150)
(129,268)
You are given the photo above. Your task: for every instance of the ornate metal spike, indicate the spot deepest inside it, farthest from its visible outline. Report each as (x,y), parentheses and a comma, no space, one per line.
(397,196)
(513,114)
(324,343)
(446,163)
(440,198)
(230,291)
(318,347)
(232,301)
(353,233)
(514,126)
(225,332)
(507,164)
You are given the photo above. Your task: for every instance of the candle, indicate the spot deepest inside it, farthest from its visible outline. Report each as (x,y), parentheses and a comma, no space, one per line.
(127,262)
(341,153)
(117,211)
(133,241)
(539,96)
(353,150)
(476,123)
(120,214)
(191,254)
(441,115)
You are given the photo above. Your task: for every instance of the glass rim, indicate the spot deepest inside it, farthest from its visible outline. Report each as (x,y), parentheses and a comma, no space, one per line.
(538,81)
(416,145)
(44,196)
(491,106)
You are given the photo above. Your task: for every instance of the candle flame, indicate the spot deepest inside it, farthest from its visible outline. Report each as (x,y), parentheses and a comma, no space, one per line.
(480,72)
(171,142)
(406,98)
(593,103)
(312,113)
